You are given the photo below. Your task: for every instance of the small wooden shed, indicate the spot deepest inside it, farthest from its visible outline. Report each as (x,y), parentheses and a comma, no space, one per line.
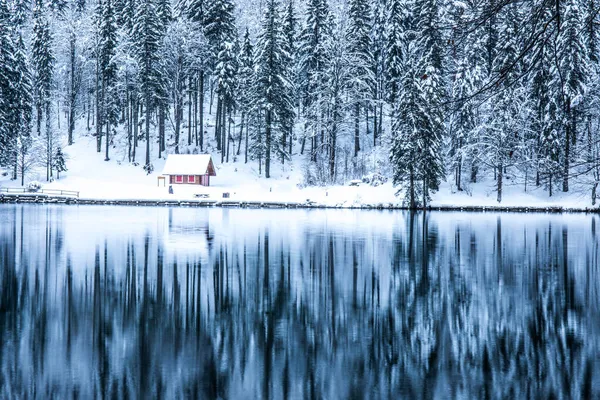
(189,169)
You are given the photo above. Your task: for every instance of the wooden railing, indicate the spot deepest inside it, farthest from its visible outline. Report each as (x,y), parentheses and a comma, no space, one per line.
(52,192)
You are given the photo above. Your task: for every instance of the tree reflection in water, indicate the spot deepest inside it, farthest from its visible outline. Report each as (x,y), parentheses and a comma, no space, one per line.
(185,303)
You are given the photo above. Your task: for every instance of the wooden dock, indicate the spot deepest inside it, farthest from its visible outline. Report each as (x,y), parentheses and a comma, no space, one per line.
(46,198)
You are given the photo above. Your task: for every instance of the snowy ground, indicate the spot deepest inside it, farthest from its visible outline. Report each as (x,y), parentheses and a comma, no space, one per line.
(116,179)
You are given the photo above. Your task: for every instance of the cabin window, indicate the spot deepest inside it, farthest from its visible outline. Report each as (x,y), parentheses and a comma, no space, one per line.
(191,179)
(179,178)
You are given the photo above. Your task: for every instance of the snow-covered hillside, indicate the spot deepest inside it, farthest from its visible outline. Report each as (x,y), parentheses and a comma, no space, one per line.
(95,178)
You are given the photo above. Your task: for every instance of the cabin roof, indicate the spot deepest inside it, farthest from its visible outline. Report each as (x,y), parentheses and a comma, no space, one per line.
(189,164)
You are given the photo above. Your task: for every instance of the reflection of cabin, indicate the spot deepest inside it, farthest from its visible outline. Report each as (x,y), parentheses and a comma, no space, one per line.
(189,169)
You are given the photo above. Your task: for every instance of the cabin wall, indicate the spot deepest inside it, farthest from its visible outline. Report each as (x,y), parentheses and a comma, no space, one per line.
(200,180)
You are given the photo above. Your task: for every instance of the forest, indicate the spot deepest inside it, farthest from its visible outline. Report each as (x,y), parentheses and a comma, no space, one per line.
(432,90)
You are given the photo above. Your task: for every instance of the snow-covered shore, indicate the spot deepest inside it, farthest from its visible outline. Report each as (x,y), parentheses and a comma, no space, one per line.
(117,181)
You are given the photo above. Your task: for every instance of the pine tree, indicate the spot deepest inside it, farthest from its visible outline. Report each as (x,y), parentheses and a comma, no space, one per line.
(221,34)
(8,74)
(573,66)
(361,74)
(43,62)
(146,37)
(417,119)
(313,58)
(433,91)
(272,85)
(245,90)
(43,66)
(165,17)
(396,30)
(24,102)
(108,69)
(59,163)
(378,68)
(290,27)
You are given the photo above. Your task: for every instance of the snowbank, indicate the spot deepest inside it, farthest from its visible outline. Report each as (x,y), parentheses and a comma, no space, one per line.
(117,180)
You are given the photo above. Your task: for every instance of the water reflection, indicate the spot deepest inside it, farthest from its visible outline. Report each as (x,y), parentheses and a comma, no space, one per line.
(115,302)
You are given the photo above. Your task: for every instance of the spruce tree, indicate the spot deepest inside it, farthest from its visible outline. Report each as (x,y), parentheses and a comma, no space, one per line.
(361,60)
(43,66)
(245,90)
(59,163)
(24,103)
(108,69)
(146,37)
(396,36)
(313,58)
(272,85)
(43,62)
(8,74)
(573,66)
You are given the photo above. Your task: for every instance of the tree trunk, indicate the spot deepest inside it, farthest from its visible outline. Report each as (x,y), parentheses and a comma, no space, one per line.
(195,134)
(128,118)
(178,116)
(107,158)
(568,133)
(217,123)
(136,124)
(148,101)
(72,91)
(241,133)
(499,183)
(201,83)
(246,146)
(268,122)
(228,136)
(161,130)
(99,106)
(190,104)
(356,129)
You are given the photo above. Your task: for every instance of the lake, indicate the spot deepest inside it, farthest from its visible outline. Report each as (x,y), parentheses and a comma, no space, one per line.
(126,302)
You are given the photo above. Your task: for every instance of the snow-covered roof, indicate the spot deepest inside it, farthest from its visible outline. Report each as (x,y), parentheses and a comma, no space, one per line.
(189,164)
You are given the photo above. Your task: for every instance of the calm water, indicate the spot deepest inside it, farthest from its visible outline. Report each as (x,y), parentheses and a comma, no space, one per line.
(119,302)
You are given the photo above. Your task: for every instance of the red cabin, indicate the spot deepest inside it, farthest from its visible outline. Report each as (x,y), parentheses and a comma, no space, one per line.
(189,169)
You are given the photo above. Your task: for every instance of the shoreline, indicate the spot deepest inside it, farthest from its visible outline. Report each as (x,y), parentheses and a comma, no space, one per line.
(23,198)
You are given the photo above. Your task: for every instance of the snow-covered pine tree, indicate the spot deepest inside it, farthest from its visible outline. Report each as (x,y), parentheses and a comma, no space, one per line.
(378,68)
(108,70)
(43,66)
(273,95)
(146,38)
(313,56)
(290,25)
(407,119)
(395,37)
(221,34)
(24,104)
(338,80)
(573,65)
(433,91)
(177,52)
(59,164)
(499,140)
(165,16)
(245,90)
(43,63)
(361,59)
(8,74)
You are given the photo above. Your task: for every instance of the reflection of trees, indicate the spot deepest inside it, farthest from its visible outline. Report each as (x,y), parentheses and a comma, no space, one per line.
(436,310)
